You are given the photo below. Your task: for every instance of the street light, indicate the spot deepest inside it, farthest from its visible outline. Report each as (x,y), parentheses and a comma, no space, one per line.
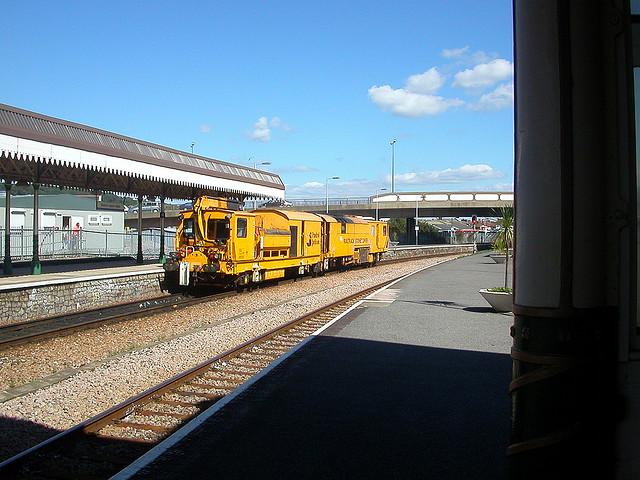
(326,190)
(192,145)
(417,228)
(393,165)
(378,200)
(255,166)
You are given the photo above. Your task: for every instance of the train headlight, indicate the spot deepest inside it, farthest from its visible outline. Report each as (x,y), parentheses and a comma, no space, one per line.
(212,267)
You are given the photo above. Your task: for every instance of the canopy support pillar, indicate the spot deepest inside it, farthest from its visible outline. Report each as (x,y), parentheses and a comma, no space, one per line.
(36,268)
(7,266)
(139,258)
(162,259)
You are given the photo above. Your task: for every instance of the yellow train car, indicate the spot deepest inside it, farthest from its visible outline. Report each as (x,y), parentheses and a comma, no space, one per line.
(219,245)
(355,240)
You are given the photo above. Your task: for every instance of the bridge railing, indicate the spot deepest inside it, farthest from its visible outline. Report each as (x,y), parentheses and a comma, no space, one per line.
(409,197)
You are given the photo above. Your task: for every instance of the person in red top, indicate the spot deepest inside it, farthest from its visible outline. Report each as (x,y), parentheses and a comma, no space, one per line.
(75,237)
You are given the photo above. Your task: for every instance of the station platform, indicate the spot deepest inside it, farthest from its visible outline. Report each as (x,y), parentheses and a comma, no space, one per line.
(31,281)
(27,298)
(410,383)
(23,268)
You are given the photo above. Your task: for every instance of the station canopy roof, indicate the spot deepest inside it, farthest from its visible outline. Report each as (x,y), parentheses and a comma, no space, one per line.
(40,149)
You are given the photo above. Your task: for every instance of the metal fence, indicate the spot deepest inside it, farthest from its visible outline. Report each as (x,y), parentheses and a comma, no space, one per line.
(332,201)
(56,244)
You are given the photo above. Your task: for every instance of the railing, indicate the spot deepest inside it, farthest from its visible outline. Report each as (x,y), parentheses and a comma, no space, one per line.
(332,201)
(55,244)
(409,197)
(451,237)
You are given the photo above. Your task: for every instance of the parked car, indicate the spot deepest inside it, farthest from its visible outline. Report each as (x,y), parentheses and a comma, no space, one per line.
(147,206)
(277,203)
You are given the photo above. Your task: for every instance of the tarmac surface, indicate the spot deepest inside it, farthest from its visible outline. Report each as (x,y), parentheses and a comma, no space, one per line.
(411,384)
(71,265)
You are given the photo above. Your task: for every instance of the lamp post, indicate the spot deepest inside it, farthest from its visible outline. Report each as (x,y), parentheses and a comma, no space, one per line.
(192,145)
(417,228)
(326,190)
(255,166)
(393,165)
(378,200)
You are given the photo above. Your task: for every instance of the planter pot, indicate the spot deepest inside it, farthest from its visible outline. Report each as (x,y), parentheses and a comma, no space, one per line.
(500,301)
(498,258)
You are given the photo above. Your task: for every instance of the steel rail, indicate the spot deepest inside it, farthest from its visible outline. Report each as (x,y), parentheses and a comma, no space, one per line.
(93,425)
(65,324)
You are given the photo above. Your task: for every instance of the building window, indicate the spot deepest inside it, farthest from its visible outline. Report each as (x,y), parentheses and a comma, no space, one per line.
(93,220)
(106,220)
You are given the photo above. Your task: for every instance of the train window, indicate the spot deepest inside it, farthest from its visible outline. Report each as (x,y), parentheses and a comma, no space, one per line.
(373,231)
(242,228)
(384,230)
(266,253)
(218,229)
(187,227)
(283,253)
(343,228)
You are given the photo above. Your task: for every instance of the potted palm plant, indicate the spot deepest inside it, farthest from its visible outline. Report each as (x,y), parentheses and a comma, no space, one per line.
(501,298)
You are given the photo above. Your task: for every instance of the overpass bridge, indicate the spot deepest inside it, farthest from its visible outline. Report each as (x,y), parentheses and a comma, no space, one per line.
(391,205)
(412,204)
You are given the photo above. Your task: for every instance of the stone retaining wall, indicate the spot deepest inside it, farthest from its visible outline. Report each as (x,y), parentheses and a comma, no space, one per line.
(19,306)
(434,250)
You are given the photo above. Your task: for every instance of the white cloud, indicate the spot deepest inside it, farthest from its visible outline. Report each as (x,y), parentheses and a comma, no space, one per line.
(484,74)
(262,129)
(454,52)
(295,169)
(426,83)
(501,97)
(408,104)
(314,185)
(337,188)
(450,175)
(205,128)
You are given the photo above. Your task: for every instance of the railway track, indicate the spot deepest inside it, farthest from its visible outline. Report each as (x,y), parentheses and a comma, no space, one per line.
(65,324)
(106,443)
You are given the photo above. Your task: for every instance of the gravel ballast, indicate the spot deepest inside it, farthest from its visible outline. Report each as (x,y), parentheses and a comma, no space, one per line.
(107,365)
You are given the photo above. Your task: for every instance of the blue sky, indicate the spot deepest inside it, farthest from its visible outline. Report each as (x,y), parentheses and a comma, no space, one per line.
(318,89)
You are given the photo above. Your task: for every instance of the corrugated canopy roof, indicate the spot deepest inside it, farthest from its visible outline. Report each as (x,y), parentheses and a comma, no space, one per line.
(44,130)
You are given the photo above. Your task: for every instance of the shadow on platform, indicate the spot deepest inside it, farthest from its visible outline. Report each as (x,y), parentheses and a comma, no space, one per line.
(347,408)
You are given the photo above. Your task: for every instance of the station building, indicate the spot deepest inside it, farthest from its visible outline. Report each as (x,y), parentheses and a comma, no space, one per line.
(40,150)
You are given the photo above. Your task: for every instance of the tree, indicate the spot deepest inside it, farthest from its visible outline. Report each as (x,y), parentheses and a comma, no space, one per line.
(504,238)
(396,228)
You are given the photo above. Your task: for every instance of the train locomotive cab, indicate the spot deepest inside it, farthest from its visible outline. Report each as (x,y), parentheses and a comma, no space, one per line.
(207,240)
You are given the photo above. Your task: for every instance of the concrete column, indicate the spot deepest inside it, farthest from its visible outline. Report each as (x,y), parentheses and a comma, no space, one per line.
(8,267)
(36,268)
(563,387)
(139,258)
(162,217)
(410,232)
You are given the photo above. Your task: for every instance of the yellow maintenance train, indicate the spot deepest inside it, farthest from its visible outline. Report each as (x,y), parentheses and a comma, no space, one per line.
(217,244)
